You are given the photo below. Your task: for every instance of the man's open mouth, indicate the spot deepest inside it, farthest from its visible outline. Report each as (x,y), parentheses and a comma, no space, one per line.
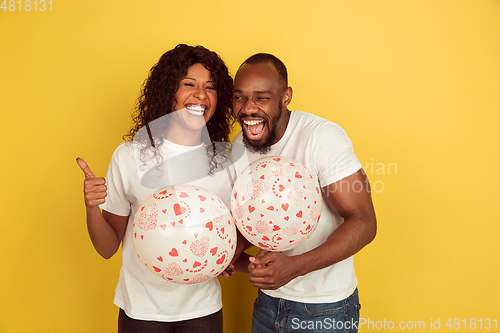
(254,128)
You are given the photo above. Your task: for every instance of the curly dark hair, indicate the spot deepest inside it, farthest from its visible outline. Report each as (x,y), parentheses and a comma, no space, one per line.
(158,97)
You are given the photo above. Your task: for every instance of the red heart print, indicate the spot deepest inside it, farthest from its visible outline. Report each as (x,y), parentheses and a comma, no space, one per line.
(261,215)
(299,214)
(160,258)
(156,269)
(282,188)
(174,252)
(183,195)
(199,247)
(265,238)
(249,228)
(164,211)
(277,159)
(178,210)
(184,242)
(221,260)
(172,223)
(285,206)
(196,264)
(276,228)
(202,198)
(185,260)
(163,192)
(270,208)
(142,236)
(202,210)
(297,175)
(142,208)
(235,195)
(163,226)
(251,209)
(287,218)
(263,177)
(213,251)
(186,279)
(135,234)
(210,226)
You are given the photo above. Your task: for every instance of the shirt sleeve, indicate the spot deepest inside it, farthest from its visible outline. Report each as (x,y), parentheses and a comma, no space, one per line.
(116,200)
(333,154)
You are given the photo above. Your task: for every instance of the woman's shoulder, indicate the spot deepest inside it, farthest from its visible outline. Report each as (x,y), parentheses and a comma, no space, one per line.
(124,150)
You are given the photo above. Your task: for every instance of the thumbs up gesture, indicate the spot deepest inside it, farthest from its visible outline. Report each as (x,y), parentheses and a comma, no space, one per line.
(94,188)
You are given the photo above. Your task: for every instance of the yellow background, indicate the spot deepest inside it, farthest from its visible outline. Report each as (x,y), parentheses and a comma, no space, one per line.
(416,85)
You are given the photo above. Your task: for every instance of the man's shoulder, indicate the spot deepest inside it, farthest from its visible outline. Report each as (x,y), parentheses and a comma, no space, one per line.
(312,123)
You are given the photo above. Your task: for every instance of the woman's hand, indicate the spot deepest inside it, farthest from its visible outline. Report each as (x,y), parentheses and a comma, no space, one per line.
(94,188)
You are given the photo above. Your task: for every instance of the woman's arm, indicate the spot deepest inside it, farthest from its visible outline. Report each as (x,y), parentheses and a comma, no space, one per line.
(105,229)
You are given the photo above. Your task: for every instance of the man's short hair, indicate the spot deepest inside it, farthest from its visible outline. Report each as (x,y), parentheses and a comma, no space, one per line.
(260,58)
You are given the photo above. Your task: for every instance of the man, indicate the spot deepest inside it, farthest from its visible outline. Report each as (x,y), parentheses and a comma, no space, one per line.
(312,287)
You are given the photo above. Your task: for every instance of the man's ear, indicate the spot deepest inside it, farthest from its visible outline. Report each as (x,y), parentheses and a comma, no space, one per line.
(287,96)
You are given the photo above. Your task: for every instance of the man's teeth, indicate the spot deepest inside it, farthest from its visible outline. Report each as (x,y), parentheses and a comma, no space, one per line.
(252,122)
(196,110)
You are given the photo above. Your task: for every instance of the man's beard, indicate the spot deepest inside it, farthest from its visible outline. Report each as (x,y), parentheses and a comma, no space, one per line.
(265,147)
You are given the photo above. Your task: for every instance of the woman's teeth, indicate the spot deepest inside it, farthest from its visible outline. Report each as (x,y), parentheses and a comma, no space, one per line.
(196,110)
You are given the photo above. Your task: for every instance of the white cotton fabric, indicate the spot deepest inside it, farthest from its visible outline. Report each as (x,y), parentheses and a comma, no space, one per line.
(140,293)
(324,148)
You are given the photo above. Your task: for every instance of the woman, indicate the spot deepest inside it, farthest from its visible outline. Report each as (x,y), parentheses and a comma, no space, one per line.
(184,110)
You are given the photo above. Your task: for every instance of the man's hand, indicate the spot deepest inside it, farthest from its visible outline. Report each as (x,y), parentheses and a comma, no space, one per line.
(94,188)
(271,270)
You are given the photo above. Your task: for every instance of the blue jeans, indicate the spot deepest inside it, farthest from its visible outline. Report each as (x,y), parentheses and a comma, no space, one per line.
(277,315)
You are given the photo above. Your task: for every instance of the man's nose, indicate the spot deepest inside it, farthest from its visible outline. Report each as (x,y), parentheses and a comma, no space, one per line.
(250,105)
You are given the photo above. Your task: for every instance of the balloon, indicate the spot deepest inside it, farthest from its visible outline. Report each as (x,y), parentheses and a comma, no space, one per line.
(184,234)
(276,203)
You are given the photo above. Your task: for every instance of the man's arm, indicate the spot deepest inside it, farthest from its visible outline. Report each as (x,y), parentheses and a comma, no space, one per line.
(351,199)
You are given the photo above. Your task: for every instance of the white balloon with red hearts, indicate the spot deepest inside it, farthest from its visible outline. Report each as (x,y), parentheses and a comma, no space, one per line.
(276,203)
(184,234)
